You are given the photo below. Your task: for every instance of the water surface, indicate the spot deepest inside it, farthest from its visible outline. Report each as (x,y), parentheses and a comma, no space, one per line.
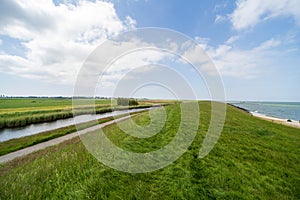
(283,110)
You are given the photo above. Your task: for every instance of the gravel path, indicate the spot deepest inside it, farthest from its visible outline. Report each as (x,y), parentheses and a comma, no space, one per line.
(28,150)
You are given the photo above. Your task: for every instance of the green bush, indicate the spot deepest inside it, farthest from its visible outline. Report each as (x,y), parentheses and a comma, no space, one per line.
(127,102)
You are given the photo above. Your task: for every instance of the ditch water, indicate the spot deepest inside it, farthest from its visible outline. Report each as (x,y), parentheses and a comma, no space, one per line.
(11,133)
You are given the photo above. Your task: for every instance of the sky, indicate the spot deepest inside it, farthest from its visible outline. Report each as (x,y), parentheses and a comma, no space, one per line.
(253,44)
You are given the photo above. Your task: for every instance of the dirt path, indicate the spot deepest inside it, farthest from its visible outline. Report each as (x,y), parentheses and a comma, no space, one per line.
(28,150)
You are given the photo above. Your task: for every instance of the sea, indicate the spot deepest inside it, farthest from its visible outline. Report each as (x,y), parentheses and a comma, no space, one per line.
(283,110)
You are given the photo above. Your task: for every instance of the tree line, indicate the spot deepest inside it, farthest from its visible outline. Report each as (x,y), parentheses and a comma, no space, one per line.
(127,102)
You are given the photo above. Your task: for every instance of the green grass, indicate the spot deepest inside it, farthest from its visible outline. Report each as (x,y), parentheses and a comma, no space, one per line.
(17,112)
(27,141)
(29,104)
(16,103)
(17,119)
(253,159)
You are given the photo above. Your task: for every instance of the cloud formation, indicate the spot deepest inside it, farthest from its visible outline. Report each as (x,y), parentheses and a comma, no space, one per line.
(56,38)
(251,12)
(219,19)
(234,62)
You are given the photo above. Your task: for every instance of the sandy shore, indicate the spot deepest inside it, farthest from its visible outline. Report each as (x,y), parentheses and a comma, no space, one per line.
(293,123)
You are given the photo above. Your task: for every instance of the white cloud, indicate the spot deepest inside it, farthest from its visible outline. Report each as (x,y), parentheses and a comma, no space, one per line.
(219,7)
(135,59)
(219,19)
(268,44)
(247,63)
(114,59)
(0,42)
(195,53)
(202,41)
(138,61)
(57,39)
(130,22)
(235,62)
(250,12)
(232,39)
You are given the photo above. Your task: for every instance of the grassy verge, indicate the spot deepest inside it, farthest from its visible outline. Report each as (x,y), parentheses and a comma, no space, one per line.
(253,159)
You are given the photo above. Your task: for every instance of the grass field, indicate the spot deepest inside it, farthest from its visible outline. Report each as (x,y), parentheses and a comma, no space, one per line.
(253,159)
(30,104)
(19,103)
(16,112)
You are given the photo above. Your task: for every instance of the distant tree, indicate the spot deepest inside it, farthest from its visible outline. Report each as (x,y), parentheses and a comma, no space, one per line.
(133,102)
(127,102)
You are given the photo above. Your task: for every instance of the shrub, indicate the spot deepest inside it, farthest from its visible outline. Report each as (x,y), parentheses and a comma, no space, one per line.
(127,102)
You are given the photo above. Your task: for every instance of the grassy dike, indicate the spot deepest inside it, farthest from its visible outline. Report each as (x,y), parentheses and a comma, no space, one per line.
(253,159)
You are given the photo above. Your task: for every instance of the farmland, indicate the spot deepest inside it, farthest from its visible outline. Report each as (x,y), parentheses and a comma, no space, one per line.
(16,112)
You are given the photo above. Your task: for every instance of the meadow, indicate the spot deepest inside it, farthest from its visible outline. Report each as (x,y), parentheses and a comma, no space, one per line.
(17,112)
(253,159)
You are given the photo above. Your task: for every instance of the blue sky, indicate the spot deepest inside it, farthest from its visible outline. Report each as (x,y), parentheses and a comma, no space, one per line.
(254,44)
